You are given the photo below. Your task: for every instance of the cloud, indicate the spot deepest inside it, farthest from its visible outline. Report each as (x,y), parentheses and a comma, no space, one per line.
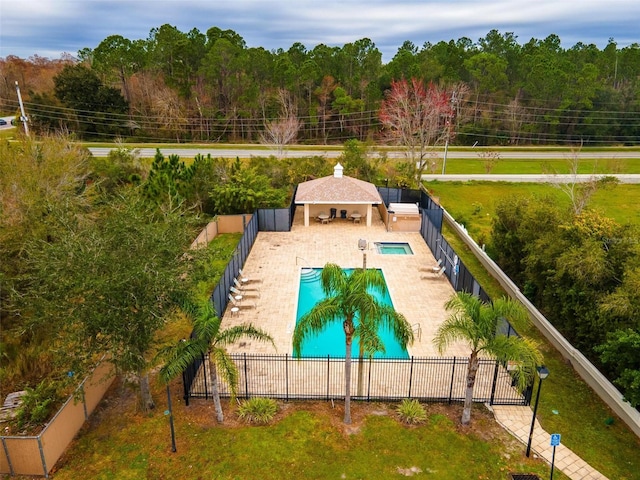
(47,26)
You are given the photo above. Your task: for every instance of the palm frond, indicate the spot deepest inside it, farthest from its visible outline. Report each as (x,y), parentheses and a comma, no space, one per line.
(179,357)
(314,321)
(225,368)
(233,334)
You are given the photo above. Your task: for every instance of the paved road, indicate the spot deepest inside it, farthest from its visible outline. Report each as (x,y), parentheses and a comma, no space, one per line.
(240,151)
(8,125)
(535,178)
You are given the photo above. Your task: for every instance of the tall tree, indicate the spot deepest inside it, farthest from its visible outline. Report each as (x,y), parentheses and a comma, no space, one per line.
(415,117)
(38,178)
(208,338)
(98,109)
(177,55)
(243,190)
(620,354)
(475,322)
(106,287)
(119,57)
(347,296)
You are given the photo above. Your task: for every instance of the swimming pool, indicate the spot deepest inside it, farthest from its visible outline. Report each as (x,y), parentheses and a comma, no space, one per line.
(392,248)
(331,340)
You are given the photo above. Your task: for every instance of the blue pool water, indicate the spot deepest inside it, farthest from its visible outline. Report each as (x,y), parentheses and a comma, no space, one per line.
(331,340)
(393,248)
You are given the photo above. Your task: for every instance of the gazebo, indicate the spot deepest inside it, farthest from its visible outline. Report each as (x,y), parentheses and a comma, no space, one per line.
(344,194)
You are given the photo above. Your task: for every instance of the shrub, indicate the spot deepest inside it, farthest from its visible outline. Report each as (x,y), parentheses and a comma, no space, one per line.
(258,410)
(411,412)
(38,404)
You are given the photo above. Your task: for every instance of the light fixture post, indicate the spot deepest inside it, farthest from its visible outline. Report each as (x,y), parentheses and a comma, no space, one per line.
(543,373)
(362,245)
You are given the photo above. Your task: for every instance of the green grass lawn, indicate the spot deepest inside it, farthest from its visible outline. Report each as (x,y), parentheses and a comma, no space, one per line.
(306,440)
(473,203)
(558,165)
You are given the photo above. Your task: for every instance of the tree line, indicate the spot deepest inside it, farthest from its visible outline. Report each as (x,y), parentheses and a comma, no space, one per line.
(195,86)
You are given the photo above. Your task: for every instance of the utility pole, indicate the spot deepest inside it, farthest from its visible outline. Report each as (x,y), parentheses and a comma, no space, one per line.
(454,101)
(23,116)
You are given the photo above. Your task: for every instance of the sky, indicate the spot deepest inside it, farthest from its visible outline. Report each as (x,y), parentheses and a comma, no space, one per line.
(49,28)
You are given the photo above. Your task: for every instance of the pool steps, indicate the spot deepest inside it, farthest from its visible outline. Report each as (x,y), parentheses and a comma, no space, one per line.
(308,275)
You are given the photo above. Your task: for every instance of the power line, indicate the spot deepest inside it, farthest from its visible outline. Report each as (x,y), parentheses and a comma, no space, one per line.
(496,114)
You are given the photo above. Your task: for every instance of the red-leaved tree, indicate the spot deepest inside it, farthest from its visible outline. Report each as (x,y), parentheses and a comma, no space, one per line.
(416,117)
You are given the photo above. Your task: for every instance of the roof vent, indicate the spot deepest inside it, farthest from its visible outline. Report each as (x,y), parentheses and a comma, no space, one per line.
(337,171)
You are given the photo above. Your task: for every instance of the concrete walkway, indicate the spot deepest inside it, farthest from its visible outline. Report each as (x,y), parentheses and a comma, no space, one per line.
(517,421)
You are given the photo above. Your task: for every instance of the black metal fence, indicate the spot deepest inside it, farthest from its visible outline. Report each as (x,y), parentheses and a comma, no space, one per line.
(455,270)
(433,379)
(220,297)
(281,376)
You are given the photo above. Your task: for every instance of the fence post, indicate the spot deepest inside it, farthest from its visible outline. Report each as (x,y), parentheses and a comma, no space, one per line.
(410,377)
(246,377)
(44,461)
(369,382)
(6,452)
(495,382)
(286,375)
(328,374)
(453,373)
(184,386)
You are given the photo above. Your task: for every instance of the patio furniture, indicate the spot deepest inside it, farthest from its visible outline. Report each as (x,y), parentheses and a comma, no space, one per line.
(243,287)
(323,217)
(433,269)
(356,217)
(244,279)
(435,274)
(243,304)
(244,293)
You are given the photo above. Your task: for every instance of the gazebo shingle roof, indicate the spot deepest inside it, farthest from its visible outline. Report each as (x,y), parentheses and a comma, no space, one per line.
(337,189)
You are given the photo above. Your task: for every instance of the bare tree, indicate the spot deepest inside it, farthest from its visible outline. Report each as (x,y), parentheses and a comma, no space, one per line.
(579,187)
(284,129)
(416,117)
(515,117)
(489,159)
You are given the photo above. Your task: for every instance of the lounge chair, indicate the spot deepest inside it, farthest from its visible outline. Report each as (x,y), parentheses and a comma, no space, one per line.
(435,273)
(243,287)
(244,293)
(241,304)
(246,279)
(433,269)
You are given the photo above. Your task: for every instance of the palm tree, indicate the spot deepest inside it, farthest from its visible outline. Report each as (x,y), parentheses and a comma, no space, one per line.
(346,296)
(207,337)
(476,322)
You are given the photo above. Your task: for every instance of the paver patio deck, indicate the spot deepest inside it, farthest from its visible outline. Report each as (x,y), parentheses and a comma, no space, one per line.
(278,257)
